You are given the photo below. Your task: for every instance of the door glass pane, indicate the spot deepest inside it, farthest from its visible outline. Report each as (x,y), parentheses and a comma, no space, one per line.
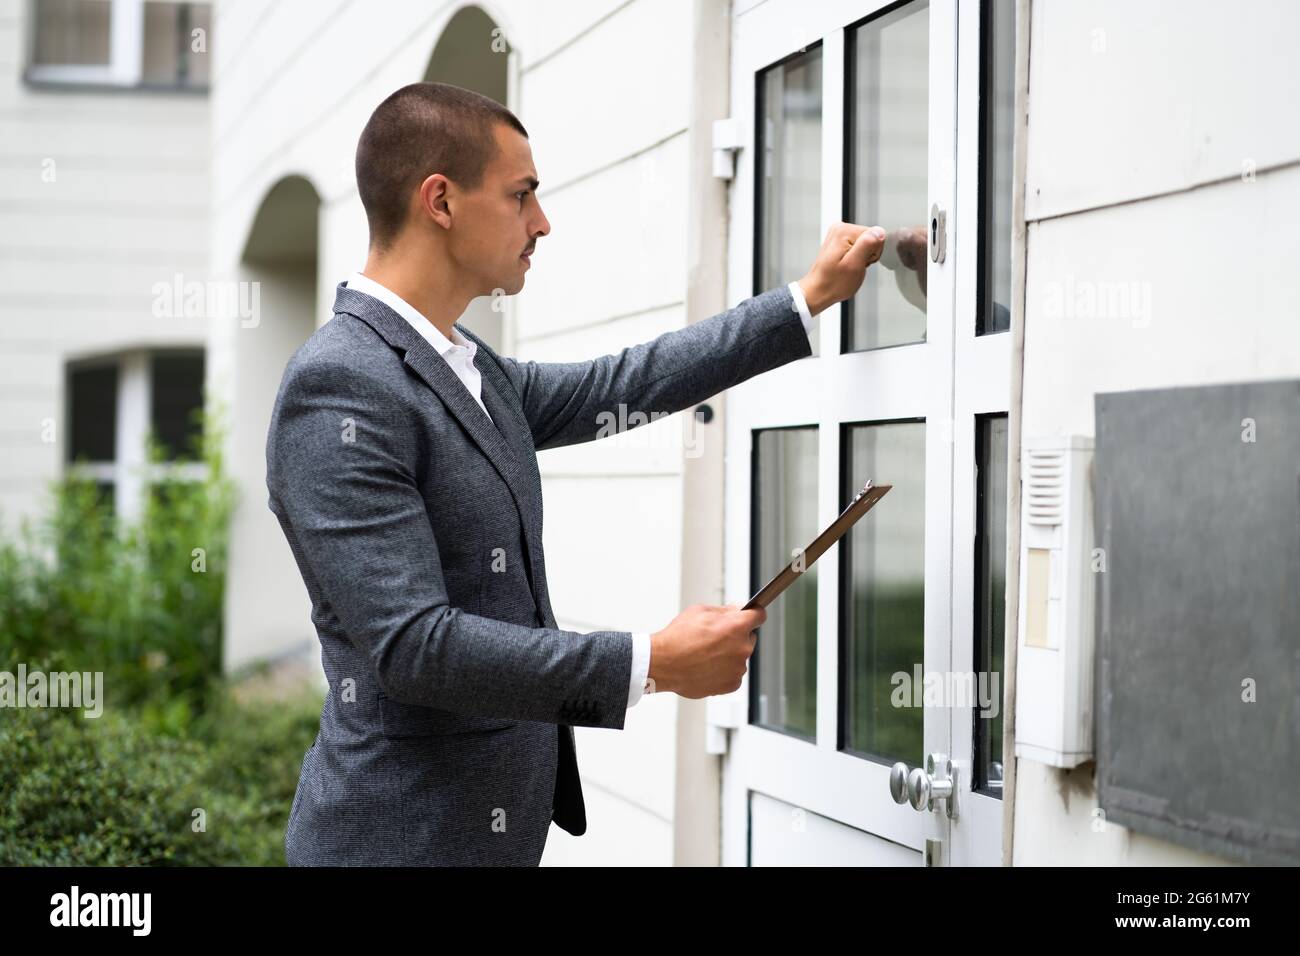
(997,165)
(888,115)
(788,172)
(783,667)
(883,588)
(990,592)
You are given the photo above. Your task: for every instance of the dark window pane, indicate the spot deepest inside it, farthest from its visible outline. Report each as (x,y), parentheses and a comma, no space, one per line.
(92,413)
(783,667)
(788,173)
(169,55)
(888,115)
(72,33)
(997,165)
(170,493)
(107,497)
(883,575)
(177,397)
(990,594)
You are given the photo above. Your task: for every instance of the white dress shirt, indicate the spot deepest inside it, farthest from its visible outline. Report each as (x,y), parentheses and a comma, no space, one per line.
(459,354)
(458,351)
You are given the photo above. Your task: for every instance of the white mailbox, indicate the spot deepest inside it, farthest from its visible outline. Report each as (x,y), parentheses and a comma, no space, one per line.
(1054,667)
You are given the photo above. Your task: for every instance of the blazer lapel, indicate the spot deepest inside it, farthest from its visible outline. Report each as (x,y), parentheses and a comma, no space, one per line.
(510,420)
(507,444)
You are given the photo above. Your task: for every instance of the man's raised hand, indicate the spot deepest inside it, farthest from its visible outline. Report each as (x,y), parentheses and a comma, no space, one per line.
(841,264)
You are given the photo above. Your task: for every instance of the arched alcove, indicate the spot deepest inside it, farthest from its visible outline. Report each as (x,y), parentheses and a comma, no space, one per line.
(268,614)
(472,52)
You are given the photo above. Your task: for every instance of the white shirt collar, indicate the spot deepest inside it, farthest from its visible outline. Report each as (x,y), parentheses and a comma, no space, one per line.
(360,283)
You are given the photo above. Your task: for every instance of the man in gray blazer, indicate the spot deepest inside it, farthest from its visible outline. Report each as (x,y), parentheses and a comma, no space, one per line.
(401,464)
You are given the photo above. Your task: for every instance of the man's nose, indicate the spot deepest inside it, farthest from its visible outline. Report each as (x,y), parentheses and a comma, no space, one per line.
(542,227)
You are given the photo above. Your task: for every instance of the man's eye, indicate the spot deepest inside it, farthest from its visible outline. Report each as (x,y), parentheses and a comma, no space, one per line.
(521,195)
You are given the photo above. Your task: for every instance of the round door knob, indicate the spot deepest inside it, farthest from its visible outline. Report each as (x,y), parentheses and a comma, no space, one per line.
(923,788)
(918,789)
(898,782)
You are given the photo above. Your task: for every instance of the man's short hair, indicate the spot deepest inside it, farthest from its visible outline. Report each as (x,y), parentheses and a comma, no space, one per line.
(422,129)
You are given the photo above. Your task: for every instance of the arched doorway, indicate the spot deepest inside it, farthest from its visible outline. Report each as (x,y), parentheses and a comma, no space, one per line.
(472,53)
(268,614)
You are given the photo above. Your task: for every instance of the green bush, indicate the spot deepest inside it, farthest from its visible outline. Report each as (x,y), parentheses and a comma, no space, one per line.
(83,592)
(112,791)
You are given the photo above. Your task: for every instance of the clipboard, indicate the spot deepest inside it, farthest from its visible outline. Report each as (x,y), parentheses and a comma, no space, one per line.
(862,502)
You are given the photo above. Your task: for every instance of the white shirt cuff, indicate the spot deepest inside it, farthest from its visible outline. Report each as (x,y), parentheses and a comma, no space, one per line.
(801,306)
(640,667)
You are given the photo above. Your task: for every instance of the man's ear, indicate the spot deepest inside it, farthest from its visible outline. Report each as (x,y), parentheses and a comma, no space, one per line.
(434,200)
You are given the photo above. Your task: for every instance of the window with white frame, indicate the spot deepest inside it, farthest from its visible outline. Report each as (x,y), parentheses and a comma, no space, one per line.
(146,44)
(115,404)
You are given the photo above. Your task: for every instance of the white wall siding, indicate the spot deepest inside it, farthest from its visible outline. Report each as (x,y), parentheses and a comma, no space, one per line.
(1129,100)
(79,255)
(1136,154)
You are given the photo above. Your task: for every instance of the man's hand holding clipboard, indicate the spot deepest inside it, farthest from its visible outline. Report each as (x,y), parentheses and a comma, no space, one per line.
(706,649)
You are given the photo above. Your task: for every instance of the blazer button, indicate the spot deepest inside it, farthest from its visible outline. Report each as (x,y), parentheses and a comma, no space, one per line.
(580,710)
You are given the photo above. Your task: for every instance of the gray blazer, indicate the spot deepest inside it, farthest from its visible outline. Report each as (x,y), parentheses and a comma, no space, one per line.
(446,736)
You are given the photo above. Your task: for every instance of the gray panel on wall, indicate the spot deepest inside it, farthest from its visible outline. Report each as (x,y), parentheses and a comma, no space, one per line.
(1197,495)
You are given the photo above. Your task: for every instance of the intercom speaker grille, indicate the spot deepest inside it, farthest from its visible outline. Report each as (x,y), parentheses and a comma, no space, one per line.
(1046,487)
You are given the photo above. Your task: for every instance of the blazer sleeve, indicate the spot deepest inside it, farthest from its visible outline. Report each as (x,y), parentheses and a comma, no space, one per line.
(341,475)
(570,402)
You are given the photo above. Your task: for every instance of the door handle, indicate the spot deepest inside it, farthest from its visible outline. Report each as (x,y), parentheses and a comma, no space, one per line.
(923,788)
(938,233)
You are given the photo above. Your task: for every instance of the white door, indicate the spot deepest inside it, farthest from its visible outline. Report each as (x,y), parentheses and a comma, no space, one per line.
(871,113)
